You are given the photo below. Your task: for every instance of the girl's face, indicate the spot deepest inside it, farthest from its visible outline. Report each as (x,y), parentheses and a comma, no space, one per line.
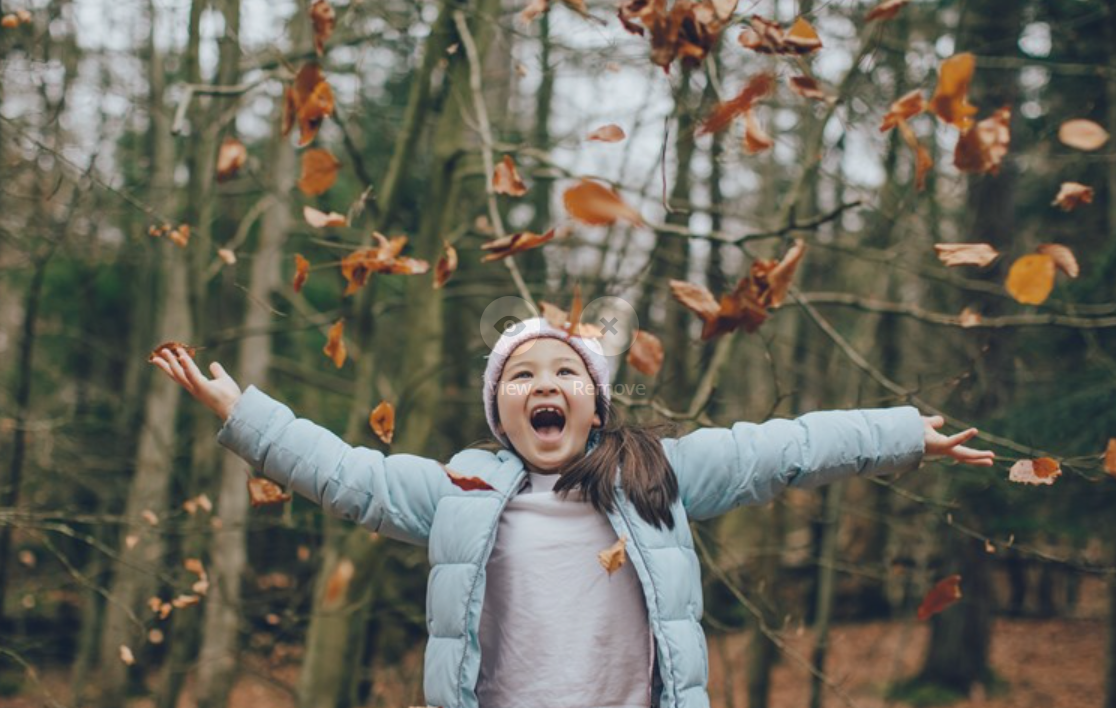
(546,402)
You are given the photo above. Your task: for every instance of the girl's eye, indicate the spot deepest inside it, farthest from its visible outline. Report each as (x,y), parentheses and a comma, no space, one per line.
(521,373)
(566,368)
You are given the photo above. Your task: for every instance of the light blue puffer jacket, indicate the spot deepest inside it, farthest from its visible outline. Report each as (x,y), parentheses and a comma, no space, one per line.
(410,498)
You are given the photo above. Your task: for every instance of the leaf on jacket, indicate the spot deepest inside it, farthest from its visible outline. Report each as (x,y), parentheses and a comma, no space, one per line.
(382,420)
(1072,195)
(262,492)
(958,254)
(1042,470)
(335,345)
(338,584)
(1031,278)
(610,133)
(446,265)
(506,180)
(302,270)
(465,482)
(614,556)
(1082,135)
(646,353)
(946,592)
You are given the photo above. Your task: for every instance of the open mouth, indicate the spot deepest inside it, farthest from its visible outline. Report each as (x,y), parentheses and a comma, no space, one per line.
(548,422)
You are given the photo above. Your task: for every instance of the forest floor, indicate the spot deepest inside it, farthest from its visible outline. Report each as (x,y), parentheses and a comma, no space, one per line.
(1038,663)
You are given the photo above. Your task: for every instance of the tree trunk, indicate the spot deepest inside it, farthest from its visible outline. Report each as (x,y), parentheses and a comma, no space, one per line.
(764,652)
(826,575)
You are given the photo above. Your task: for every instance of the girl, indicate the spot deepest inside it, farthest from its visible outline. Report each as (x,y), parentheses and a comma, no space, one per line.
(520,614)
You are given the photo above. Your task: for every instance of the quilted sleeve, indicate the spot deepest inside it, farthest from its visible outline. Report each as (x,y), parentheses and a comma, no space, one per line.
(719,469)
(395,495)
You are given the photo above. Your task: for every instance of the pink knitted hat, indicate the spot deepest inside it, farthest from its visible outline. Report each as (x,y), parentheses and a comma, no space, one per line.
(535,328)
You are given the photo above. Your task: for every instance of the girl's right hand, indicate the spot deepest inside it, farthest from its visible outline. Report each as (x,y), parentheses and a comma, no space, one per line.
(218,394)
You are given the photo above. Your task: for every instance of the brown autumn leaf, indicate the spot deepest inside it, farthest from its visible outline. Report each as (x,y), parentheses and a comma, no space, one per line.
(686,31)
(506,180)
(777,276)
(302,271)
(767,37)
(230,158)
(1064,259)
(946,592)
(982,147)
(337,586)
(908,106)
(335,345)
(180,235)
(646,353)
(570,322)
(1072,195)
(950,101)
(1042,470)
(959,254)
(1082,134)
(755,139)
(227,256)
(191,350)
(185,601)
(262,491)
(465,482)
(597,205)
(9,21)
(321,220)
(696,298)
(126,655)
(969,317)
(923,161)
(319,171)
(722,115)
(614,556)
(808,87)
(610,133)
(307,102)
(323,18)
(446,265)
(1110,457)
(382,420)
(1031,279)
(383,258)
(886,10)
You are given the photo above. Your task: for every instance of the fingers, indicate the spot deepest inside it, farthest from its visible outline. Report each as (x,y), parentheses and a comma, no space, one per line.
(970,456)
(963,437)
(192,372)
(171,365)
(934,421)
(218,371)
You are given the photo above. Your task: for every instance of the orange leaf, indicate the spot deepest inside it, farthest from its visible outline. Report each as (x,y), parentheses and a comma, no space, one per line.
(469,484)
(957,254)
(185,601)
(969,317)
(725,112)
(505,179)
(319,171)
(886,10)
(696,298)
(982,147)
(768,37)
(323,18)
(1042,470)
(1063,258)
(302,270)
(646,353)
(802,37)
(382,420)
(808,87)
(308,101)
(1110,457)
(614,556)
(338,584)
(180,236)
(321,220)
(446,265)
(1031,279)
(515,243)
(227,256)
(778,279)
(923,162)
(950,101)
(597,205)
(1073,195)
(9,22)
(610,133)
(1082,134)
(755,139)
(946,592)
(230,158)
(262,491)
(172,346)
(335,345)
(907,107)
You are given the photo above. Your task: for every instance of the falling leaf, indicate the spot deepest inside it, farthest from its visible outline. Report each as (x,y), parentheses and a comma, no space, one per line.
(382,258)
(808,87)
(150,517)
(1110,457)
(445,266)
(722,115)
(505,179)
(191,350)
(907,107)
(755,139)
(768,37)
(515,243)
(958,254)
(1082,134)
(302,270)
(469,484)
(697,298)
(27,558)
(950,101)
(321,220)
(126,655)
(686,30)
(778,276)
(319,171)
(646,353)
(1031,279)
(982,147)
(230,158)
(1073,195)
(180,236)
(323,18)
(923,162)
(610,133)
(227,256)
(570,322)
(946,592)
(614,556)
(131,541)
(9,22)
(338,584)
(382,420)
(185,601)
(308,101)
(969,317)
(1042,470)
(886,10)
(597,205)
(194,565)
(335,346)
(262,491)
(1063,257)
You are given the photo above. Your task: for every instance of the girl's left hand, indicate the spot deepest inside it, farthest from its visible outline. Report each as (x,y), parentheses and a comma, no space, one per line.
(954,445)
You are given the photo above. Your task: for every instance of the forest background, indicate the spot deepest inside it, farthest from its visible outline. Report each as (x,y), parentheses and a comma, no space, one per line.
(150,191)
